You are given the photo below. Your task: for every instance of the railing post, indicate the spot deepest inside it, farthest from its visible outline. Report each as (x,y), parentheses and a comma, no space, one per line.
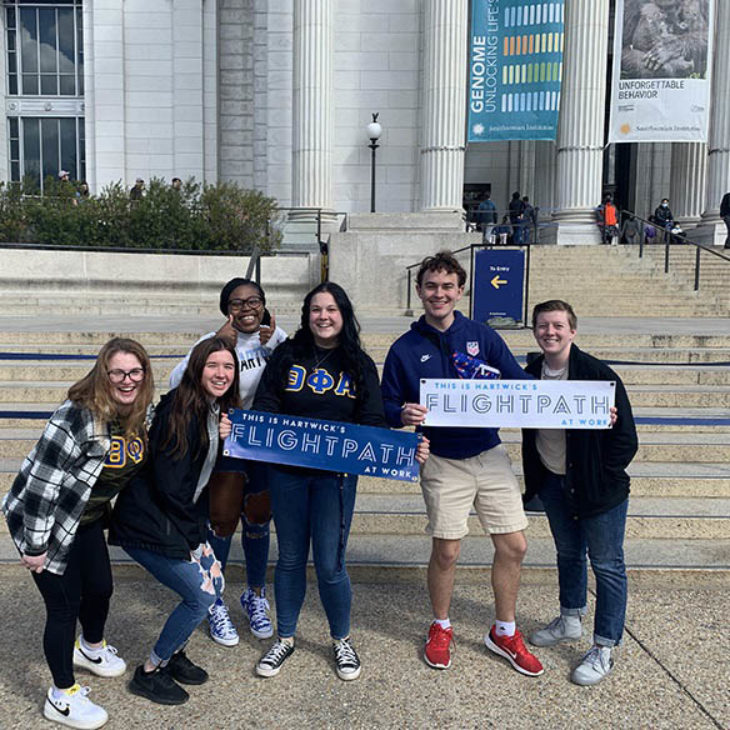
(408,293)
(666,253)
(697,268)
(527,286)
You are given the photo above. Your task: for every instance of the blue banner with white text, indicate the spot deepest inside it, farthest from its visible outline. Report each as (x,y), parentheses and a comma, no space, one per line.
(318,444)
(515,69)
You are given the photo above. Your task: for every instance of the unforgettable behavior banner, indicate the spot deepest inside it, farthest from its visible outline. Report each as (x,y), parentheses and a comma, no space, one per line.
(661,70)
(575,404)
(319,444)
(515,69)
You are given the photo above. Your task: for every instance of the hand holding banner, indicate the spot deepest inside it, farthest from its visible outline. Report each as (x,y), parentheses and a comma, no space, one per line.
(318,444)
(574,404)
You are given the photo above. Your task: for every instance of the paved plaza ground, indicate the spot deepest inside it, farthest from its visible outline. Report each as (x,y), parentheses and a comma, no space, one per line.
(672,671)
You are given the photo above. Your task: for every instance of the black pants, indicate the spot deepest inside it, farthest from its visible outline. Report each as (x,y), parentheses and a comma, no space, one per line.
(82,593)
(727,225)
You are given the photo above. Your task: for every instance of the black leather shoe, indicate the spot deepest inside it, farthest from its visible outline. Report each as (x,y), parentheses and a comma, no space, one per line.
(157,686)
(184,671)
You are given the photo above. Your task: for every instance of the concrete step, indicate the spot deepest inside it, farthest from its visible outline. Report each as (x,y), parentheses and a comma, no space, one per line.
(164,332)
(649,518)
(381,552)
(27,369)
(648,479)
(661,447)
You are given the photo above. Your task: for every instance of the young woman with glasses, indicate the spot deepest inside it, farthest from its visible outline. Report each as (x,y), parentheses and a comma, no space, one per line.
(238,488)
(58,507)
(161,520)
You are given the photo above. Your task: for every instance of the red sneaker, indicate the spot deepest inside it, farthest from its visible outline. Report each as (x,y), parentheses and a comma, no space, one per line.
(513,649)
(438,646)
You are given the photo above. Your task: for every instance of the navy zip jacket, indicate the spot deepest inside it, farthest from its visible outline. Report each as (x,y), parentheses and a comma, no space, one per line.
(425,352)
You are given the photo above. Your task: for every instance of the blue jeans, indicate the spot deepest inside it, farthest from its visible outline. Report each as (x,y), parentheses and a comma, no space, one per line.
(312,508)
(603,537)
(186,578)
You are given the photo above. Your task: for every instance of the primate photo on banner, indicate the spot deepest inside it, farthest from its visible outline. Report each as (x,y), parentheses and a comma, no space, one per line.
(665,39)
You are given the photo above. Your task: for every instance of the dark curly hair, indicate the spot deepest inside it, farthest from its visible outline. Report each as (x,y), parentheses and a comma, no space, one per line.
(348,340)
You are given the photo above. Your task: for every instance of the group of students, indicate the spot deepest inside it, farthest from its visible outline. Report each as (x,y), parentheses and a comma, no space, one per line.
(156,478)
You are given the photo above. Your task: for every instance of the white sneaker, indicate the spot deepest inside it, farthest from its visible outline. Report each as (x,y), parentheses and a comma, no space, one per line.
(594,666)
(563,628)
(106,663)
(222,630)
(74,709)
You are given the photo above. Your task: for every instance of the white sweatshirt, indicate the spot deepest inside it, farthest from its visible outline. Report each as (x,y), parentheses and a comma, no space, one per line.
(252,358)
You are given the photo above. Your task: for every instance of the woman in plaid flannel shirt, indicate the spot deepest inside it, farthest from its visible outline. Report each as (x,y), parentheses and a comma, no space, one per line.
(57,509)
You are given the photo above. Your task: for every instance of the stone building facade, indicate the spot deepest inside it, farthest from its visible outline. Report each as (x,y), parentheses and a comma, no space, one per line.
(276,95)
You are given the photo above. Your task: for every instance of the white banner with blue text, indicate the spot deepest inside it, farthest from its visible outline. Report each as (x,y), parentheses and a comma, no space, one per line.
(579,404)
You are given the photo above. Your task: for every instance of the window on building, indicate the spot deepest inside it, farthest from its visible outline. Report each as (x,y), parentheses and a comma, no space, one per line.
(45,48)
(44,88)
(40,147)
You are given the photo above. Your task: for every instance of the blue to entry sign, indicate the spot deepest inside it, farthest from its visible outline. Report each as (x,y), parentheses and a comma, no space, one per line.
(499,278)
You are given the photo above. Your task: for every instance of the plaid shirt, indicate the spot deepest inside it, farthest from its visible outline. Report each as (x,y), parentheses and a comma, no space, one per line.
(45,503)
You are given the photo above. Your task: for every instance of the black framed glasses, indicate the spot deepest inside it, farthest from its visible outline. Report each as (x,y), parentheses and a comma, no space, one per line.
(236,305)
(136,375)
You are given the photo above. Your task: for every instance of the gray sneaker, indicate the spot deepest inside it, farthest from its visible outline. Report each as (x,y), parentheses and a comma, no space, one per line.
(594,666)
(563,628)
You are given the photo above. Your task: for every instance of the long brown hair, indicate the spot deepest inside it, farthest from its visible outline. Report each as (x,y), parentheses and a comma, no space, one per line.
(191,401)
(93,391)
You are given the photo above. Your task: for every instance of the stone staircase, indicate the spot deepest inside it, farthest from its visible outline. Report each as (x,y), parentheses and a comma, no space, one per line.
(612,281)
(679,385)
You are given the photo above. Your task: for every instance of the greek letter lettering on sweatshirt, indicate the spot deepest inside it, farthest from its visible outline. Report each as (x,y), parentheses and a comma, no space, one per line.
(425,352)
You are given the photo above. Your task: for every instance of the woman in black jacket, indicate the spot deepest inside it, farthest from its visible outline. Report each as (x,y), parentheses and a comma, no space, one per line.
(161,521)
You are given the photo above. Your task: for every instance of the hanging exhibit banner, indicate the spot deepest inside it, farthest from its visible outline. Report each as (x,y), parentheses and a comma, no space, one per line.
(515,68)
(662,64)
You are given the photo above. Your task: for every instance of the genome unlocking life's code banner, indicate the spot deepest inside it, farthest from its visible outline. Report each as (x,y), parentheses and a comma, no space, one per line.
(515,69)
(319,444)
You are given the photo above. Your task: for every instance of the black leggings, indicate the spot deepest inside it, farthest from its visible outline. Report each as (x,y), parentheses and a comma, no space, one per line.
(82,593)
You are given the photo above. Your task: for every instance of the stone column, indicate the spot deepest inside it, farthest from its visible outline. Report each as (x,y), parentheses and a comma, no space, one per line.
(582,110)
(444,105)
(688,181)
(718,177)
(313,116)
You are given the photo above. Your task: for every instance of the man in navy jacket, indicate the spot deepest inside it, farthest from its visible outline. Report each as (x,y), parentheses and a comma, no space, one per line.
(581,478)
(468,467)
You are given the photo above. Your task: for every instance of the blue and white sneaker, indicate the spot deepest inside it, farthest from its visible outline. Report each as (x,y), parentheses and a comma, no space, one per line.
(257,608)
(222,630)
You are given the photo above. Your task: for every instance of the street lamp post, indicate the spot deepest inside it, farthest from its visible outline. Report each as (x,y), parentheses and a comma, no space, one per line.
(374,131)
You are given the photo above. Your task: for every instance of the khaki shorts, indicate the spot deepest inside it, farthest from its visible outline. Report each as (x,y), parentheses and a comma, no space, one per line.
(451,487)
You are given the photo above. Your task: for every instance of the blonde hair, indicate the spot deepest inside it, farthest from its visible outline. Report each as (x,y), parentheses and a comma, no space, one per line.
(93,390)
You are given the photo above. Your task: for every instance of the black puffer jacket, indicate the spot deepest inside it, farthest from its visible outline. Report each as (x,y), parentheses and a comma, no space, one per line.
(157,510)
(596,461)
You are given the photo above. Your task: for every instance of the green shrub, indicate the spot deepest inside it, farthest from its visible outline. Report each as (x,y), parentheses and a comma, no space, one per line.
(222,217)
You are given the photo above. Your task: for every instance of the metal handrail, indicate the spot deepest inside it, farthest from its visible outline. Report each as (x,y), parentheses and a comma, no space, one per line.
(673,239)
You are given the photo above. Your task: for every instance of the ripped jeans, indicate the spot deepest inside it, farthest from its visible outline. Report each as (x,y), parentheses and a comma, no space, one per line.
(198,581)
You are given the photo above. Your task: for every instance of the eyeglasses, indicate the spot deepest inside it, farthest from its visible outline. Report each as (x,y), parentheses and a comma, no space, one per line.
(236,305)
(118,376)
